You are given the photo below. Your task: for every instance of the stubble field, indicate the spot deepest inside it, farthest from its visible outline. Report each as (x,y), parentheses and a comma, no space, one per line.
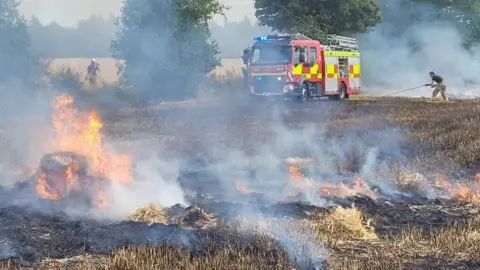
(108,67)
(428,217)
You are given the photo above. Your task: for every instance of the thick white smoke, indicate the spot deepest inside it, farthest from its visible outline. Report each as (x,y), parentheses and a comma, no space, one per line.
(155,181)
(412,41)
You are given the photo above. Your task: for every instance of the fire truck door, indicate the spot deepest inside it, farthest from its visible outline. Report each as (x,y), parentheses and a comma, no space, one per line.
(331,75)
(354,72)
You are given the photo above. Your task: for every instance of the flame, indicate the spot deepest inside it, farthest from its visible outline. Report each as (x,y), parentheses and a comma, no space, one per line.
(469,193)
(295,173)
(329,190)
(56,184)
(466,194)
(79,132)
(299,178)
(241,187)
(44,190)
(342,190)
(462,192)
(101,199)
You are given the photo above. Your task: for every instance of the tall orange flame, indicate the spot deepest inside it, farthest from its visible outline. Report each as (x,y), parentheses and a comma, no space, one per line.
(79,132)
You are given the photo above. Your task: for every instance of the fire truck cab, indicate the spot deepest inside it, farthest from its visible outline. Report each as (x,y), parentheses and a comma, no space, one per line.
(293,65)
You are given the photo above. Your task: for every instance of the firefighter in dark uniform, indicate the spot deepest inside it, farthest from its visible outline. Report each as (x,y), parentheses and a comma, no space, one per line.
(439,85)
(92,72)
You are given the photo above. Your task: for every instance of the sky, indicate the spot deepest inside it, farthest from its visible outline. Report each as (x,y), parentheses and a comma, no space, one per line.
(69,12)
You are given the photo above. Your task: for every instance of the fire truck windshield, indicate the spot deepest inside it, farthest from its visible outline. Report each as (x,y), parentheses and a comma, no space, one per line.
(271,55)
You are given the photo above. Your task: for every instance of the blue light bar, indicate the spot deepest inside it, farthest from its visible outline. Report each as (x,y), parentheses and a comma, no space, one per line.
(261,38)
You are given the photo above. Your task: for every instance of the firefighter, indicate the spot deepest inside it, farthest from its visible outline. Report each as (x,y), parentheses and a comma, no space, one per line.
(92,71)
(437,83)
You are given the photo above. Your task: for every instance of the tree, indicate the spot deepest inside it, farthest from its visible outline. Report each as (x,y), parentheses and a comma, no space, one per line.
(165,45)
(17,61)
(464,14)
(234,37)
(315,18)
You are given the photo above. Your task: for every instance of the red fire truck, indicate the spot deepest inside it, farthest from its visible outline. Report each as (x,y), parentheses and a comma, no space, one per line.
(294,65)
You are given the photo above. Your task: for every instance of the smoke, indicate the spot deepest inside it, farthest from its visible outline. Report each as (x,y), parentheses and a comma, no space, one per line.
(410,42)
(294,238)
(155,181)
(239,143)
(25,115)
(334,158)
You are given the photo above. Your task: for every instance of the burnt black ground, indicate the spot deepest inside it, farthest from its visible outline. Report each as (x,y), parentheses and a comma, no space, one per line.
(37,229)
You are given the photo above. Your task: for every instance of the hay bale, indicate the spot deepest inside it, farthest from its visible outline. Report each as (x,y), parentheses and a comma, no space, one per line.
(197,218)
(60,161)
(298,162)
(410,182)
(344,223)
(151,214)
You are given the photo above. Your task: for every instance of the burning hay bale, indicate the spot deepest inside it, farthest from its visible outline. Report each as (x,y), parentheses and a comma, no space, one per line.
(60,173)
(62,161)
(65,176)
(344,224)
(151,214)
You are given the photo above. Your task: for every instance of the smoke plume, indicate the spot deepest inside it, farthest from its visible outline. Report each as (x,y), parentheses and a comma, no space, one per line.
(410,42)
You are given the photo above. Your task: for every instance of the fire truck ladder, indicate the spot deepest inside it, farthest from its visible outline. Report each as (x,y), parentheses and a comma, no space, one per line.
(341,43)
(297,36)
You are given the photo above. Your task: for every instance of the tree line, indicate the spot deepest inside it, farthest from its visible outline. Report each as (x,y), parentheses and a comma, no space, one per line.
(163,42)
(92,37)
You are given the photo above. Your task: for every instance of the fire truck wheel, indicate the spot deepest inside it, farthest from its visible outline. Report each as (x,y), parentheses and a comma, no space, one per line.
(342,93)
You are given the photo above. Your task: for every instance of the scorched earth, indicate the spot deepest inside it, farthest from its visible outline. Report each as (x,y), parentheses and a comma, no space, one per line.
(368,183)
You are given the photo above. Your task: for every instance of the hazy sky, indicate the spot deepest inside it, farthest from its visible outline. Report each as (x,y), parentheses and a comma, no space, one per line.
(69,12)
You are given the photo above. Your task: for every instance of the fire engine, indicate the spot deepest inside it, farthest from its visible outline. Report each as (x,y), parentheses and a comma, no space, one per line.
(296,66)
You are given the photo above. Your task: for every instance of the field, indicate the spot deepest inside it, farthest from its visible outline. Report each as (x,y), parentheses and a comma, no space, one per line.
(379,183)
(108,68)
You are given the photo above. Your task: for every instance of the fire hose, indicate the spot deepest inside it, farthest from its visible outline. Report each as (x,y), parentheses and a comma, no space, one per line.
(405,90)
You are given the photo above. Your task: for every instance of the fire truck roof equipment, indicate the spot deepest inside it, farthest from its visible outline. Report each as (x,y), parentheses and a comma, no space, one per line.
(280,36)
(334,42)
(341,43)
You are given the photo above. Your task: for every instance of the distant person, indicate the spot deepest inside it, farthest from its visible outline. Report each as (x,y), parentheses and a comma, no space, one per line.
(92,71)
(437,82)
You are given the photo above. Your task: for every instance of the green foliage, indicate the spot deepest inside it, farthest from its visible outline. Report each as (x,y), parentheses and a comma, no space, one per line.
(315,18)
(166,46)
(464,6)
(16,59)
(465,13)
(474,35)
(230,84)
(65,78)
(90,38)
(233,37)
(402,15)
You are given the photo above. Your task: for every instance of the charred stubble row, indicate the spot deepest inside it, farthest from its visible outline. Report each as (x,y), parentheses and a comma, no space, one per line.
(435,137)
